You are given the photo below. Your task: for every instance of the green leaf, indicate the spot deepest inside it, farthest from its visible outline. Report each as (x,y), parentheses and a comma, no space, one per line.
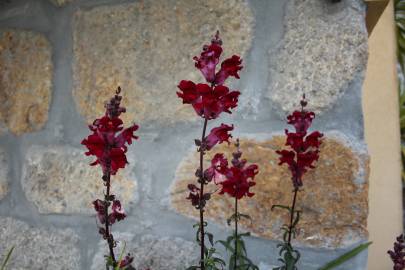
(121,256)
(3,265)
(345,257)
(281,207)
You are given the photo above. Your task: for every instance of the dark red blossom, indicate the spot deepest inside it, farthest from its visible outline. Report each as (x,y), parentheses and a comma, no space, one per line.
(229,67)
(207,101)
(218,135)
(117,213)
(398,254)
(236,180)
(305,148)
(195,198)
(109,139)
(216,171)
(209,59)
(301,120)
(100,208)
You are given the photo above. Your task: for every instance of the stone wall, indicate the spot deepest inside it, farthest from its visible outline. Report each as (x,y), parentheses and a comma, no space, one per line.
(60,60)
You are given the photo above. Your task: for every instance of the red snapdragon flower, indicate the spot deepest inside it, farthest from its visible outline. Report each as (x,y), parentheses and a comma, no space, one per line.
(109,139)
(117,213)
(305,148)
(208,102)
(194,196)
(237,179)
(218,135)
(209,59)
(229,67)
(216,171)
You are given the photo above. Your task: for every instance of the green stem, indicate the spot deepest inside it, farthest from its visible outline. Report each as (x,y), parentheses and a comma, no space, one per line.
(236,233)
(290,228)
(202,236)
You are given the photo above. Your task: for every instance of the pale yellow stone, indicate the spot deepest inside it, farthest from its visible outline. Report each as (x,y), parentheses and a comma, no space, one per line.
(333,199)
(147,47)
(25,80)
(59,180)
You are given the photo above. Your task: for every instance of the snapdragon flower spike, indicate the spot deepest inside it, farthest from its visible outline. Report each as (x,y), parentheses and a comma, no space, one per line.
(208,101)
(109,140)
(305,147)
(217,135)
(236,180)
(397,255)
(209,59)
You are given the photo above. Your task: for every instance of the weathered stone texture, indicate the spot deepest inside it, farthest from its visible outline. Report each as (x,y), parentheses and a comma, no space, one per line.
(147,48)
(25,80)
(4,171)
(333,200)
(60,3)
(38,249)
(323,48)
(153,252)
(59,180)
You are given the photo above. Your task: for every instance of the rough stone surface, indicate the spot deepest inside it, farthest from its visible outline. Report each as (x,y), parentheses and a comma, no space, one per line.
(4,171)
(38,249)
(59,180)
(25,80)
(60,3)
(124,45)
(323,48)
(154,252)
(333,200)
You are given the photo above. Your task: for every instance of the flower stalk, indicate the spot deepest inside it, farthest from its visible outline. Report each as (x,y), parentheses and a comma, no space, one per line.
(108,143)
(303,153)
(236,181)
(235,254)
(202,183)
(209,100)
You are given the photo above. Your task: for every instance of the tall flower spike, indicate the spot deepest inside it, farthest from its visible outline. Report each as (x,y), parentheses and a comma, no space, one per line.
(108,143)
(304,147)
(209,100)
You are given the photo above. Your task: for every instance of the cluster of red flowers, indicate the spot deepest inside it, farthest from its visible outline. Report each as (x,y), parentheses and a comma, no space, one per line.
(108,143)
(235,180)
(209,101)
(305,147)
(109,138)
